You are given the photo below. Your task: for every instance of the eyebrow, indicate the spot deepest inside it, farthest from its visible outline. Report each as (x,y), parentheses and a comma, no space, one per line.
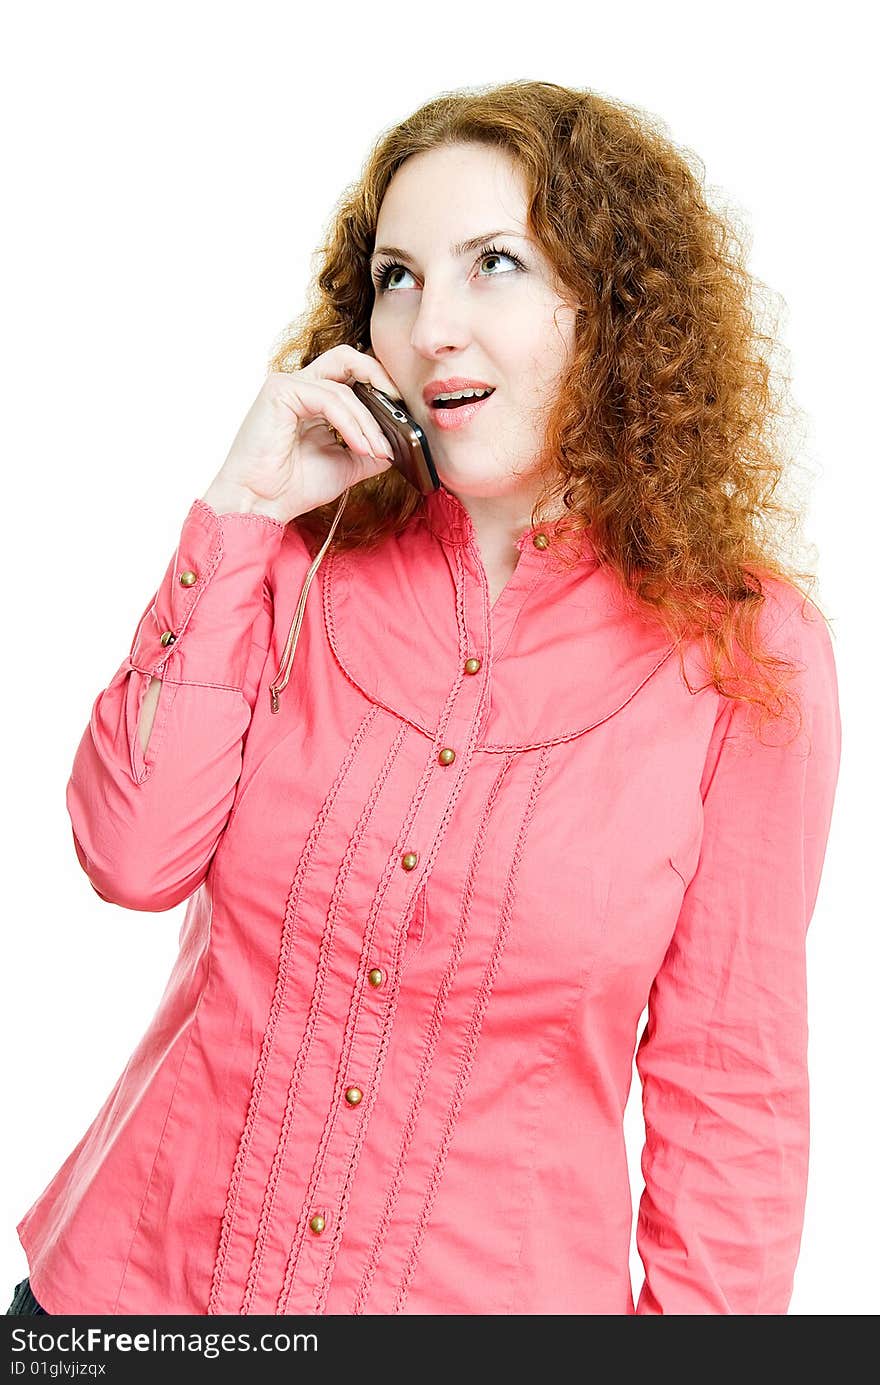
(463,248)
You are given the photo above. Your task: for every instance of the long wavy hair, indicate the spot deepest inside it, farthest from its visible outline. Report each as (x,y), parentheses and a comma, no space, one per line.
(670,432)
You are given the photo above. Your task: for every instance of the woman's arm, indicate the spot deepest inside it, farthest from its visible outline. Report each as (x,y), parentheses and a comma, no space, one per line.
(723,1057)
(152,785)
(222,503)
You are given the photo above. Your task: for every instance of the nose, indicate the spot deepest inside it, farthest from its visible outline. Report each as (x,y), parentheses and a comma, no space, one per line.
(440,325)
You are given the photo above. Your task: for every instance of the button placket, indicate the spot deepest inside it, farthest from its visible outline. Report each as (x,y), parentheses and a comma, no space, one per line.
(320,1220)
(529,571)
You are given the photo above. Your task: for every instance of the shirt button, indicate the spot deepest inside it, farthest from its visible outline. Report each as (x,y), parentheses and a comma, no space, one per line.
(541,541)
(353,1095)
(376,976)
(317,1224)
(472,666)
(187,578)
(446,756)
(168,637)
(410,860)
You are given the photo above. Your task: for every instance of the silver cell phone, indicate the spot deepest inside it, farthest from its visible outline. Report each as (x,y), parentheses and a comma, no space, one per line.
(412,456)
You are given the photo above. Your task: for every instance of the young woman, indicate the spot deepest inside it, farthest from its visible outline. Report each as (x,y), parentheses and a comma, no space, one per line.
(560,740)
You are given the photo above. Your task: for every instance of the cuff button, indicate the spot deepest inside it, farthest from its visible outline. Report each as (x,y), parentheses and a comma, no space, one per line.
(168,637)
(188,578)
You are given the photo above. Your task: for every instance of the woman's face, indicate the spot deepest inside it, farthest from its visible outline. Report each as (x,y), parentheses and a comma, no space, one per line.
(477,314)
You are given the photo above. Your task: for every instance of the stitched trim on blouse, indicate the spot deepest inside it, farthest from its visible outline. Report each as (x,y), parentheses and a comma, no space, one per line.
(287,938)
(432,1038)
(294,1092)
(472,1038)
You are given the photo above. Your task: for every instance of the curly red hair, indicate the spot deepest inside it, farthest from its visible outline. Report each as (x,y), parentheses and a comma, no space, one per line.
(664,437)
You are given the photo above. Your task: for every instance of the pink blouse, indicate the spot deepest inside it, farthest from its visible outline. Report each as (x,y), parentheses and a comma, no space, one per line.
(427,902)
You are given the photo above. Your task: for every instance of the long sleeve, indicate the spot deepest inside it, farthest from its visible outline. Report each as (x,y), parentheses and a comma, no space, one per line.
(723,1056)
(145,826)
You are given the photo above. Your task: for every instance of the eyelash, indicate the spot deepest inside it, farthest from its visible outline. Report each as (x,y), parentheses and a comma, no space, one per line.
(382,270)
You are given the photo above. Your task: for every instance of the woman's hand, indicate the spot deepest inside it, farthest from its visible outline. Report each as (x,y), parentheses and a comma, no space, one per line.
(284,459)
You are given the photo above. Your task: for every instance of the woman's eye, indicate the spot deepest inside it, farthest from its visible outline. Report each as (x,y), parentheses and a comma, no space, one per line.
(384,274)
(499,255)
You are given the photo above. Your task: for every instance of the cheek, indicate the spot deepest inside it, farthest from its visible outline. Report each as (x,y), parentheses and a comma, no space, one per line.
(532,349)
(555,355)
(391,345)
(378,334)
(552,338)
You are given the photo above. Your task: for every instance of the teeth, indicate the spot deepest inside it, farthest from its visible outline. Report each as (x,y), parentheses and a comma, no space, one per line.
(463,394)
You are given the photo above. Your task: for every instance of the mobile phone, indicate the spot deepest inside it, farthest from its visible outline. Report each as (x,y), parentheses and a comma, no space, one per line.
(412,456)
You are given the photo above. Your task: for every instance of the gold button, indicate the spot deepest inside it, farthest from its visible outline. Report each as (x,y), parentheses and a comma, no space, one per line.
(472,666)
(541,541)
(353,1095)
(446,756)
(376,977)
(317,1224)
(410,860)
(187,578)
(168,637)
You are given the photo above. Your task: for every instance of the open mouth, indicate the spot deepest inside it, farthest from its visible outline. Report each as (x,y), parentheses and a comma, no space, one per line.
(449,415)
(460,403)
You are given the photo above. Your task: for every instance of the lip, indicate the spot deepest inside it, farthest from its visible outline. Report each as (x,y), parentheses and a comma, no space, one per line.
(450,419)
(455,382)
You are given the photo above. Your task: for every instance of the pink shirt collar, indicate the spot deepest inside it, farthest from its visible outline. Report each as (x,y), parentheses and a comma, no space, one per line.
(449,521)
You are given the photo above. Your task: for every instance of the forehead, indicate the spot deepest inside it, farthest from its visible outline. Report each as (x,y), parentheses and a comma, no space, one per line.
(453,192)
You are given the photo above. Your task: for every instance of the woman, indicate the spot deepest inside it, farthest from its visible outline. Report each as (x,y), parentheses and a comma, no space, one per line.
(560,740)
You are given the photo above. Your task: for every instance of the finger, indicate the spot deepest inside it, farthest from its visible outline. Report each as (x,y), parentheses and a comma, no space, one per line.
(343,423)
(314,402)
(368,424)
(363,365)
(368,466)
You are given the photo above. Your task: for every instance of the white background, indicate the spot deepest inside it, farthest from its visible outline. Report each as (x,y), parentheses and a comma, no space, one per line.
(169,170)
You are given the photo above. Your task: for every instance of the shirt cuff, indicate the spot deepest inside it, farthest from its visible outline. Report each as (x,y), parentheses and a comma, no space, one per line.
(197,628)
